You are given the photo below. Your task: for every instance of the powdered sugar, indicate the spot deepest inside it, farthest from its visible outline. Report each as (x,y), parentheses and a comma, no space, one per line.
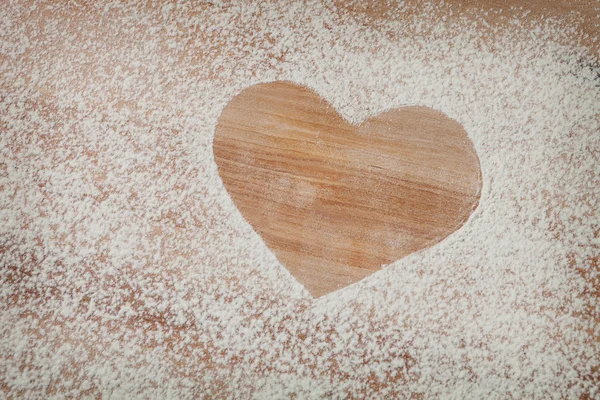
(128,272)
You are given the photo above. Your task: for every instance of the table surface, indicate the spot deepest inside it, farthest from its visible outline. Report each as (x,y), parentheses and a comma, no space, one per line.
(335,201)
(367,255)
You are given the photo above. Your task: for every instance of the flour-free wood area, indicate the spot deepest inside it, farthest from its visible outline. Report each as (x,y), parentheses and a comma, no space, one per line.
(336,202)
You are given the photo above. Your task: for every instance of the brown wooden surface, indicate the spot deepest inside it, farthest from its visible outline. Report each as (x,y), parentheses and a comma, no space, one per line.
(589,9)
(492,16)
(335,201)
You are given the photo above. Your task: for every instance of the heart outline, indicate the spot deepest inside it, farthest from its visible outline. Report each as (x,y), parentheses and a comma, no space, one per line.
(288,133)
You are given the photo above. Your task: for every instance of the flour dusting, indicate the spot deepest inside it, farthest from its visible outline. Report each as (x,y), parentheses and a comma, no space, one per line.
(127,272)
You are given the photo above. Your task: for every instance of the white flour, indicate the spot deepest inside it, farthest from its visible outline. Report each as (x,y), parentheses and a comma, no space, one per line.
(127,271)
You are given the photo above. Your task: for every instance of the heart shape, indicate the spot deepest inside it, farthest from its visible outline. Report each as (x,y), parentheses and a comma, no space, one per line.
(335,201)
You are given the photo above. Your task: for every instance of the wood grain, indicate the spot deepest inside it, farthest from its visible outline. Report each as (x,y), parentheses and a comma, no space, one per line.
(153,322)
(336,202)
(493,16)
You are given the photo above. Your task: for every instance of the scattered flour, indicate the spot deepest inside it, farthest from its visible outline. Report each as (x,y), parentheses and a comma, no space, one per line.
(127,272)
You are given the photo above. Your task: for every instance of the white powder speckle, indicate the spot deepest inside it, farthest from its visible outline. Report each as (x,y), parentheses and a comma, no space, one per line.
(127,272)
